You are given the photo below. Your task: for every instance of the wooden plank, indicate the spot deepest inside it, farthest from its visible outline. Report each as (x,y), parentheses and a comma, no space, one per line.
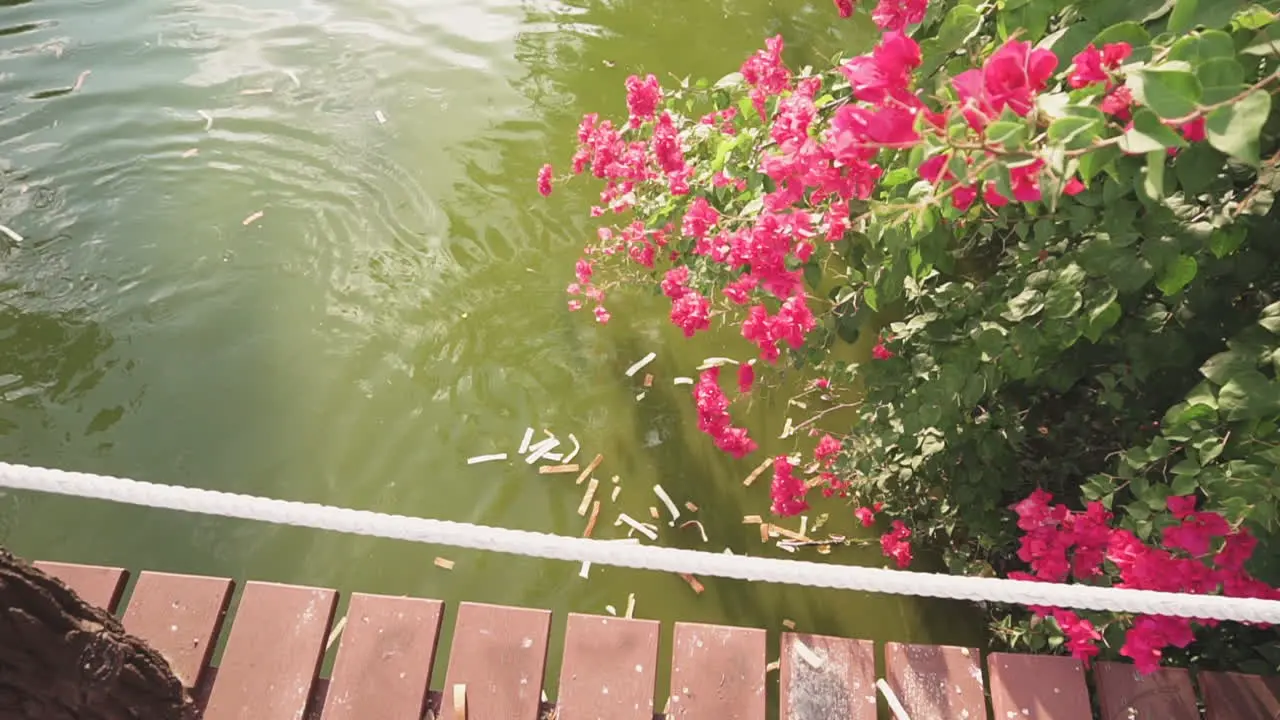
(385,659)
(1125,694)
(827,678)
(718,673)
(500,654)
(273,653)
(180,616)
(939,681)
(1038,687)
(610,669)
(98,586)
(1233,696)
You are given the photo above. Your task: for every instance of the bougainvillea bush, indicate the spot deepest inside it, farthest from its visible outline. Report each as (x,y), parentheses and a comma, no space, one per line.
(1054,219)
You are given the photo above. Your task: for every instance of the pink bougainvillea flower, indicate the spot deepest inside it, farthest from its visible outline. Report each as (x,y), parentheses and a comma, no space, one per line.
(1090,65)
(643,96)
(1181,505)
(787,491)
(896,544)
(746,377)
(1117,103)
(1010,78)
(602,315)
(898,14)
(1196,533)
(825,453)
(713,416)
(691,312)
(1194,130)
(1073,187)
(866,516)
(676,282)
(582,270)
(880,352)
(544,180)
(886,72)
(1082,637)
(766,74)
(845,8)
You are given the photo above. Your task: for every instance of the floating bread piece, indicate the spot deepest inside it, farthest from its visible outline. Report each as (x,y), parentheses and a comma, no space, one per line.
(666,500)
(486,458)
(639,364)
(557,469)
(638,526)
(693,582)
(591,467)
(591,521)
(757,473)
(587,496)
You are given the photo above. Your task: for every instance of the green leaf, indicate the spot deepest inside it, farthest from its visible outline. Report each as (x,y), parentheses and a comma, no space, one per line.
(1062,301)
(1197,167)
(1149,134)
(1234,128)
(1249,395)
(1184,15)
(1095,161)
(1075,131)
(1220,79)
(870,298)
(1153,178)
(1222,367)
(1170,93)
(1178,274)
(1010,134)
(1130,32)
(1185,484)
(1225,241)
(1270,318)
(1028,303)
(957,27)
(733,79)
(1197,48)
(1265,42)
(1254,18)
(813,274)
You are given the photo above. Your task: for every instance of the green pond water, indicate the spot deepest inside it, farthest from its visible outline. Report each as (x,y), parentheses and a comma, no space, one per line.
(398,307)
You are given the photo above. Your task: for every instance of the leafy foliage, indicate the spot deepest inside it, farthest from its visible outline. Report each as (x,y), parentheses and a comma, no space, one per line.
(1057,218)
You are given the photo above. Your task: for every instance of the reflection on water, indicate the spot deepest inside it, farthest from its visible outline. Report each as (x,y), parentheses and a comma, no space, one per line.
(396,307)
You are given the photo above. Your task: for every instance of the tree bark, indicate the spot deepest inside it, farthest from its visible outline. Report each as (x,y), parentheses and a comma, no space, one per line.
(63,659)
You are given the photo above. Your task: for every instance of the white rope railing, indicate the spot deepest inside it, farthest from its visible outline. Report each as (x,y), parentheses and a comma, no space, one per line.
(647,557)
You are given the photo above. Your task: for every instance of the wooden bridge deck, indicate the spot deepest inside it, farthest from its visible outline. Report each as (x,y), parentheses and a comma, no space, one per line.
(270,666)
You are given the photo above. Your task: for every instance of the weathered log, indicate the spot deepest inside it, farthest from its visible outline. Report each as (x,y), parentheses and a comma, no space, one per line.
(63,659)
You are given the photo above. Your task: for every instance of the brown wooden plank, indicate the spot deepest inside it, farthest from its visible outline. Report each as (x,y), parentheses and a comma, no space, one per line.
(718,673)
(610,669)
(1038,687)
(1126,694)
(827,678)
(385,659)
(273,653)
(1234,696)
(500,654)
(936,681)
(98,586)
(179,615)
